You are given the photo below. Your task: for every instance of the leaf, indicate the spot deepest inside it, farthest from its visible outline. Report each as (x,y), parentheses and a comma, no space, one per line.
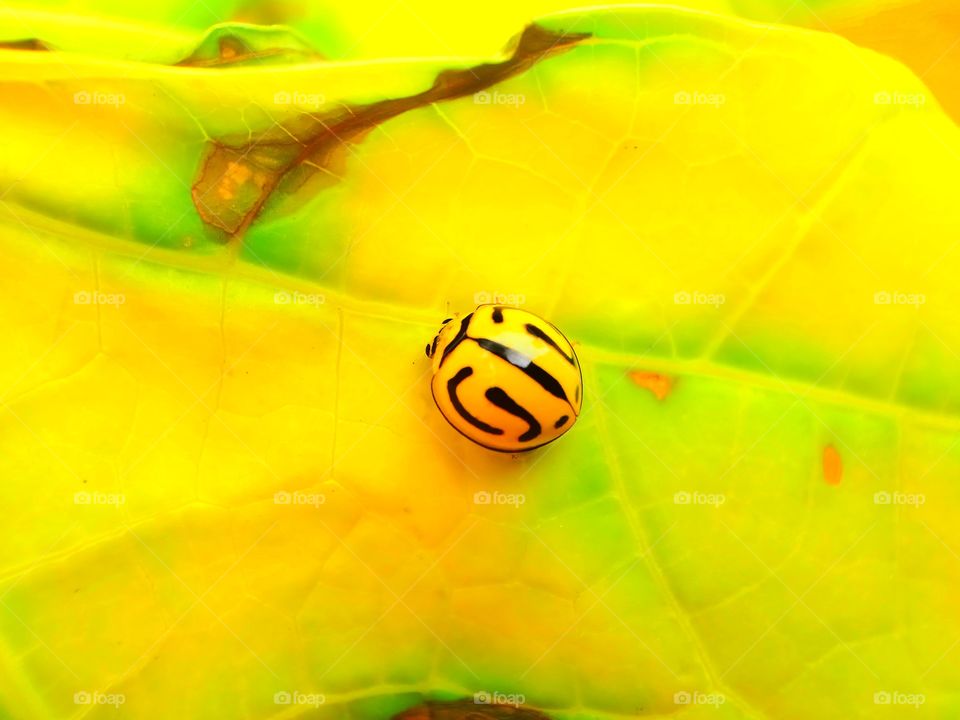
(920,33)
(229,487)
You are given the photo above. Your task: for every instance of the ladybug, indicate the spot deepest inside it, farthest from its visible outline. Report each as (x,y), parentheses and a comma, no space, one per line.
(505,378)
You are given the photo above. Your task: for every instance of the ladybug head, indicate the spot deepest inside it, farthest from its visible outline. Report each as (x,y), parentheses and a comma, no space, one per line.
(451,333)
(432,347)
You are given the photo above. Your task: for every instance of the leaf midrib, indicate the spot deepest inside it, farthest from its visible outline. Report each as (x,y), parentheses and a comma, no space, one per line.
(227,265)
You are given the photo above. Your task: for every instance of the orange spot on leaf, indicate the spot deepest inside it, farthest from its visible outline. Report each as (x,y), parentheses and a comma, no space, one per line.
(235,176)
(832,465)
(659,385)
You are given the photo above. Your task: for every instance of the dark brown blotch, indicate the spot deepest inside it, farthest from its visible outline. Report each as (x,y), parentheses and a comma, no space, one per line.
(238,175)
(34,44)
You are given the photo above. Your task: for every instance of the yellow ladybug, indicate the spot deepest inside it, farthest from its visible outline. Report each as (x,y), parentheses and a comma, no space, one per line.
(505,378)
